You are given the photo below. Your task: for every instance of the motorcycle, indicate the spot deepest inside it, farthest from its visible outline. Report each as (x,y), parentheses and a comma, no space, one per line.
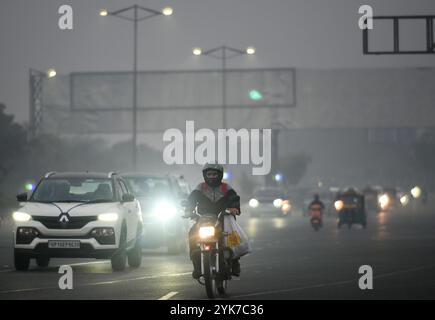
(216,258)
(316,217)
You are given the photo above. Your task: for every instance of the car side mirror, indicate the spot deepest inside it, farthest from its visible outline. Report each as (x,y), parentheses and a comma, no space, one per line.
(182,195)
(127,198)
(22,197)
(184,203)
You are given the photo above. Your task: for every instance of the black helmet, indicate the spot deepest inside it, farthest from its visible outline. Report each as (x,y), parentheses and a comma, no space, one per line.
(215,167)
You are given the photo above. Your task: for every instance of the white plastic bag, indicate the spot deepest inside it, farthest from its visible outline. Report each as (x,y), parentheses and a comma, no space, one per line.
(236,239)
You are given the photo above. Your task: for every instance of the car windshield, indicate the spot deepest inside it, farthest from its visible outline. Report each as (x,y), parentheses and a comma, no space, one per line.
(74,190)
(184,187)
(269,193)
(148,186)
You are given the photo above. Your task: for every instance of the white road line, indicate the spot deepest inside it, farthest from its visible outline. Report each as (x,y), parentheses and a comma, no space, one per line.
(85,263)
(101,283)
(168,296)
(54,266)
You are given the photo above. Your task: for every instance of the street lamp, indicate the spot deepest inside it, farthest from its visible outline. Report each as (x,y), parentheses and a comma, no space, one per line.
(223,53)
(250,50)
(51,73)
(147,13)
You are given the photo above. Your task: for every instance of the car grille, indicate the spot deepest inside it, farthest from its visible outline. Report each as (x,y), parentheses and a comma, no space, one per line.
(74,222)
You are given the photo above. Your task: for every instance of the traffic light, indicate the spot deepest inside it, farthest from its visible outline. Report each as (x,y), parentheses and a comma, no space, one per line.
(255,95)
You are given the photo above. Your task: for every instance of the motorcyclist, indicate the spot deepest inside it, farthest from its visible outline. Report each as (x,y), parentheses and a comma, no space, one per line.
(316,206)
(211,197)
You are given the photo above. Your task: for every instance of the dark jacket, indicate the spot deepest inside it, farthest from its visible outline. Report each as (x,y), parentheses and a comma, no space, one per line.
(212,200)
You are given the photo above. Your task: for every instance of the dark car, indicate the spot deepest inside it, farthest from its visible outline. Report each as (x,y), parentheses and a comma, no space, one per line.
(270,201)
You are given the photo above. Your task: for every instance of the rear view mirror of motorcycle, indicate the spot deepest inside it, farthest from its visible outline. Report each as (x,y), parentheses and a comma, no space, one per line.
(184,203)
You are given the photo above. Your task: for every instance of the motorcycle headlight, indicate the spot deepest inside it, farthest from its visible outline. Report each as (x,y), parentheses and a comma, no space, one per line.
(164,211)
(108,217)
(206,232)
(21,216)
(277,203)
(253,203)
(339,204)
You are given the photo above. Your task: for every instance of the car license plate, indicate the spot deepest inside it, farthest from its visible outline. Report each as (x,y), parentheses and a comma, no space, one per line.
(57,244)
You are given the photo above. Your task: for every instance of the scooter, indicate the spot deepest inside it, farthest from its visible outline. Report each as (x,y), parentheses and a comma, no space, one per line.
(316,217)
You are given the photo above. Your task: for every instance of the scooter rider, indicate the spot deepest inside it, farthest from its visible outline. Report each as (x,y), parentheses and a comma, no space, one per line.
(211,197)
(316,203)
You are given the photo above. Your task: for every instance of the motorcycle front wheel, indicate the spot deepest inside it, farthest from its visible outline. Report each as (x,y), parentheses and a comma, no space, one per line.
(209,278)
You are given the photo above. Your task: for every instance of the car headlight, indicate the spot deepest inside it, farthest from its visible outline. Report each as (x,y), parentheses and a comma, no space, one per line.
(339,204)
(253,203)
(164,211)
(416,192)
(384,201)
(404,200)
(206,232)
(286,206)
(108,217)
(21,216)
(277,203)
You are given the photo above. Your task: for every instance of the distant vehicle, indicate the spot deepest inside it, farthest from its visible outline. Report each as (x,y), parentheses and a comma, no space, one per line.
(160,198)
(404,197)
(316,216)
(270,201)
(371,195)
(327,197)
(388,199)
(350,208)
(78,215)
(184,188)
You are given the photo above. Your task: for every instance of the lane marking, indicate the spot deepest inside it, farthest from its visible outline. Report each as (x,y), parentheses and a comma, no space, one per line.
(84,263)
(168,296)
(100,283)
(56,266)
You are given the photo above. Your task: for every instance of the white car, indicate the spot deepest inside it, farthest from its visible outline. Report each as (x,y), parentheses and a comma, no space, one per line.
(78,215)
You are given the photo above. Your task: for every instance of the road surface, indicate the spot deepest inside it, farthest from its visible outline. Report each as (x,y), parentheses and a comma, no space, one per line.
(289,261)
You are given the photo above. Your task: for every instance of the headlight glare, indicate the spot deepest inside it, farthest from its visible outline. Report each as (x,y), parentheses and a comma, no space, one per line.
(404,200)
(206,232)
(21,216)
(108,217)
(384,201)
(339,204)
(164,211)
(253,203)
(277,203)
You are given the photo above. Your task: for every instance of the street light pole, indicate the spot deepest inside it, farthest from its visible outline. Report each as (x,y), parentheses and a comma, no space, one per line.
(36,78)
(134,138)
(167,11)
(224,56)
(224,87)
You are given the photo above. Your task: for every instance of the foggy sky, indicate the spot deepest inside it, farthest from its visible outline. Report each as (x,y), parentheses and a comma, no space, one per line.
(286,33)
